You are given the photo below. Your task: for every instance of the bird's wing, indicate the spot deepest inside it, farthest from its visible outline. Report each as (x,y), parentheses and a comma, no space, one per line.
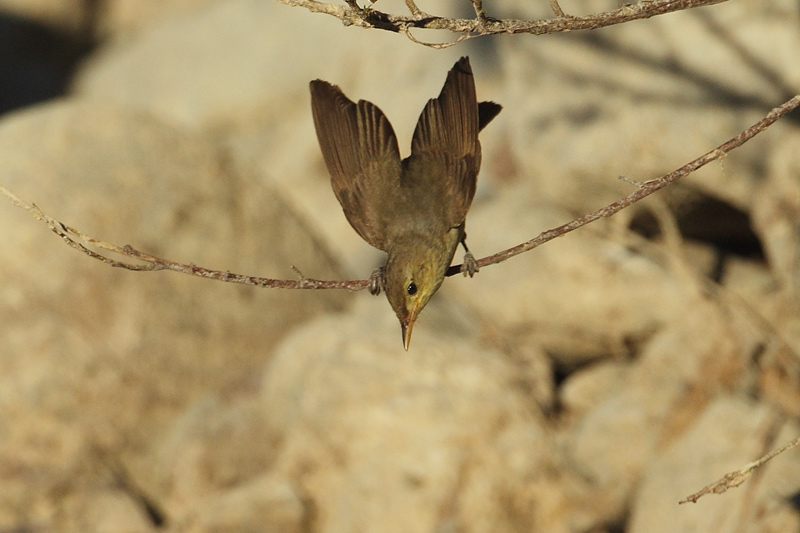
(486,113)
(360,150)
(445,153)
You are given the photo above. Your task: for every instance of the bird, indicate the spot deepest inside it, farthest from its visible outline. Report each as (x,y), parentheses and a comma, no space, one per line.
(413,209)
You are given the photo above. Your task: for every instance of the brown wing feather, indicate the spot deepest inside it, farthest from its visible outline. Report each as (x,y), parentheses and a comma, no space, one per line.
(445,145)
(360,150)
(486,113)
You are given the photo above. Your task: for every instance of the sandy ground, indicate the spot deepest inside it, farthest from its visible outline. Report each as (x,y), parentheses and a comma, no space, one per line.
(585,386)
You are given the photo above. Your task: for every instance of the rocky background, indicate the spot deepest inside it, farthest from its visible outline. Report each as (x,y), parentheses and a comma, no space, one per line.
(586,386)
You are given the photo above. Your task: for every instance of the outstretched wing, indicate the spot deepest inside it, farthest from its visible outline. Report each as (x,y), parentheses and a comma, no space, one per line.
(360,150)
(445,152)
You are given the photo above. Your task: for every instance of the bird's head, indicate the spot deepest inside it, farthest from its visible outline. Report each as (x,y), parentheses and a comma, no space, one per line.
(412,276)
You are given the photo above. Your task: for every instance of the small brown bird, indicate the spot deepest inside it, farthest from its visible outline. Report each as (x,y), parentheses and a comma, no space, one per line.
(414,209)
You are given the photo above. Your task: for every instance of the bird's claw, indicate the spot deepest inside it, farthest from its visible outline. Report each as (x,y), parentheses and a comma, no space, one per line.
(376,281)
(469,266)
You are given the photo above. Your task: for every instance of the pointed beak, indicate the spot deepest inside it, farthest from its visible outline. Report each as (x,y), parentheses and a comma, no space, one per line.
(406,329)
(407,325)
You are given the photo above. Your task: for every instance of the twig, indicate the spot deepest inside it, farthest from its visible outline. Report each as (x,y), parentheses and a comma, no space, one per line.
(480,13)
(557,8)
(645,189)
(72,236)
(736,478)
(415,11)
(436,46)
(352,15)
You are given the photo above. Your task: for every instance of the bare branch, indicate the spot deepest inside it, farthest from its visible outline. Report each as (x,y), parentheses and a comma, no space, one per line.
(557,8)
(415,11)
(353,15)
(480,13)
(737,477)
(645,189)
(436,46)
(73,237)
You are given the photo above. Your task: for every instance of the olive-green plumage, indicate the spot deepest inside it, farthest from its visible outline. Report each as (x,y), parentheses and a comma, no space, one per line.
(413,209)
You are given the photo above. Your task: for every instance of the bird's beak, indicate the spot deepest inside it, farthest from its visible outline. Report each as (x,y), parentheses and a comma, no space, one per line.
(407,325)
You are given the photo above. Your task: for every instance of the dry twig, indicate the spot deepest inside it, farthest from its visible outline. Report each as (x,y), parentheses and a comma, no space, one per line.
(737,477)
(367,17)
(645,189)
(75,238)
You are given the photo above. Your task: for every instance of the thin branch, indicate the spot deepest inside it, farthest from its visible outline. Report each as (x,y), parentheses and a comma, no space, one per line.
(369,18)
(645,189)
(415,11)
(557,8)
(737,477)
(436,46)
(480,13)
(75,238)
(72,237)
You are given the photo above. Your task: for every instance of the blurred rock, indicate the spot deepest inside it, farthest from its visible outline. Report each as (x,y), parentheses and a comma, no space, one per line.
(662,393)
(96,358)
(102,18)
(433,439)
(626,104)
(105,510)
(541,395)
(776,214)
(773,289)
(122,19)
(236,83)
(581,297)
(774,504)
(599,105)
(589,387)
(266,505)
(259,101)
(729,434)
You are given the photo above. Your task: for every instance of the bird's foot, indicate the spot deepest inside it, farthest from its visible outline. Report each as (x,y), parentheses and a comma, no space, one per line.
(469,266)
(376,281)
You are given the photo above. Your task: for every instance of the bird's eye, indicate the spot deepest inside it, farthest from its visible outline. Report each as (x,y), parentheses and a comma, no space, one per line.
(411,289)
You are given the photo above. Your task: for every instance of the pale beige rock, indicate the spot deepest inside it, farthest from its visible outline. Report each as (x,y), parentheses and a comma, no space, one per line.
(387,440)
(121,18)
(96,358)
(663,392)
(776,214)
(729,434)
(104,510)
(260,100)
(213,447)
(587,388)
(106,19)
(581,297)
(204,69)
(589,108)
(773,289)
(774,505)
(265,505)
(209,69)
(164,374)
